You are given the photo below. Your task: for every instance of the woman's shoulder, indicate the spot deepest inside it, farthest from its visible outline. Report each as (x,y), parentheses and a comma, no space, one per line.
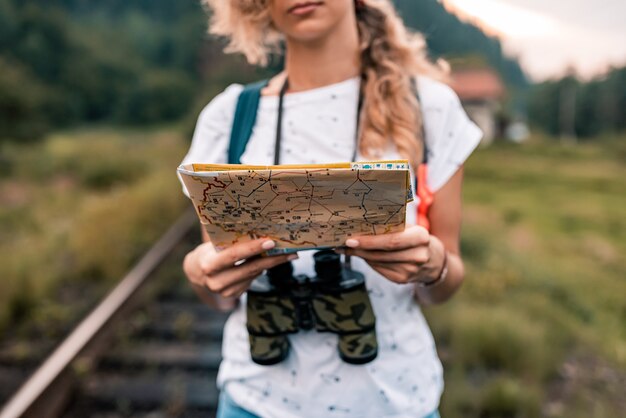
(274,84)
(450,134)
(435,94)
(222,106)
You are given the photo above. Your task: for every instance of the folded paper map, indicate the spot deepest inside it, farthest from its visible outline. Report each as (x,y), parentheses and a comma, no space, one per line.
(299,206)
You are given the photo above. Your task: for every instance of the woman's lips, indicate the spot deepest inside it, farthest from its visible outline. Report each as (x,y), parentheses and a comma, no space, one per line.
(304,9)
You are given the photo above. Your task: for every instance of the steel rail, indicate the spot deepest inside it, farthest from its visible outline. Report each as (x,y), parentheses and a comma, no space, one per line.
(34,395)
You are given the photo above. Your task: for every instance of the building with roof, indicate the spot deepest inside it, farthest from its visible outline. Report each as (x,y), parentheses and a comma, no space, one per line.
(481,91)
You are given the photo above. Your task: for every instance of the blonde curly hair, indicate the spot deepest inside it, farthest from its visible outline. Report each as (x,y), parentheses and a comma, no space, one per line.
(391,56)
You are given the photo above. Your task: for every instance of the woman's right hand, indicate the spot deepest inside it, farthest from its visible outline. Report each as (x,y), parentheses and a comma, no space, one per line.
(230,272)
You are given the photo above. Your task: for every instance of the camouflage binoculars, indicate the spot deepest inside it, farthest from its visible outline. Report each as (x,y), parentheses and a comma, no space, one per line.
(336,301)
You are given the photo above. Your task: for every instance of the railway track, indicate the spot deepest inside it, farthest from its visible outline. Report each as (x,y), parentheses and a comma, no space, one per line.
(150,348)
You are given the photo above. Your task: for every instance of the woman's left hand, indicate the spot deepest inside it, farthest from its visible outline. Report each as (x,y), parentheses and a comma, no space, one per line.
(411,256)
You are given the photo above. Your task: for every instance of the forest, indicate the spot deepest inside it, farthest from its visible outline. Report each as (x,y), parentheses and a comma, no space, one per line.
(72,62)
(580,109)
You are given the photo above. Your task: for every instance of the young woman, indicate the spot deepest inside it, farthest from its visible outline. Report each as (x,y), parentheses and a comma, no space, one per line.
(335,50)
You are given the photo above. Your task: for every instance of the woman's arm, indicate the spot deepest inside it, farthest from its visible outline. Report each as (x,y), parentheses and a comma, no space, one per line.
(416,256)
(445,229)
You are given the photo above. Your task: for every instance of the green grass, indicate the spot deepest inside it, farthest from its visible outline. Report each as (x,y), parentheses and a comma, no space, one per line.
(544,240)
(80,207)
(537,330)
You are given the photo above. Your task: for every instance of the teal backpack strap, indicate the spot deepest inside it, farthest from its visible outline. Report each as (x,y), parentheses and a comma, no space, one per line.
(244,120)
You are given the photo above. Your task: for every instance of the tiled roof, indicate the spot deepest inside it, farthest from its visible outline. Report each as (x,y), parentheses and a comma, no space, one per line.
(477,84)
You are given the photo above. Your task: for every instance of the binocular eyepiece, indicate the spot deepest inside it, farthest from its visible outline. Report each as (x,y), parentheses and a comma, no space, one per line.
(335,300)
(328,266)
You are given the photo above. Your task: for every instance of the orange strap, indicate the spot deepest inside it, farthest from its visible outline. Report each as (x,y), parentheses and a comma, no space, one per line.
(425,195)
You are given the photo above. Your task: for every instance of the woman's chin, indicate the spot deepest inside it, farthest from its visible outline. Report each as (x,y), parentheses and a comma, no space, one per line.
(308,32)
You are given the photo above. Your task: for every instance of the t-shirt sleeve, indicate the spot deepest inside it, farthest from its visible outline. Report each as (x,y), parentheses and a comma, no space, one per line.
(450,134)
(211,136)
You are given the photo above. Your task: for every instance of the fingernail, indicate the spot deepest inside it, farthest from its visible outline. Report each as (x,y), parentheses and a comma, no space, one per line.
(292,257)
(352,243)
(268,245)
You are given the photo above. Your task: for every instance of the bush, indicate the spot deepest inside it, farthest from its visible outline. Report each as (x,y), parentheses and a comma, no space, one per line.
(107,173)
(498,340)
(157,97)
(58,232)
(509,398)
(22,103)
(112,231)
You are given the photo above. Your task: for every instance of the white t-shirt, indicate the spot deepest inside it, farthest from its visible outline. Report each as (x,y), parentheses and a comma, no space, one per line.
(406,379)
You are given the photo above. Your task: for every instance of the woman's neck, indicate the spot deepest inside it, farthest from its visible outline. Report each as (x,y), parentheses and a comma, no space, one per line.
(325,61)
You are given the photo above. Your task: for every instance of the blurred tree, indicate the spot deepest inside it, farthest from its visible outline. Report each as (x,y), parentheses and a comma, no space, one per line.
(69,61)
(158,96)
(447,36)
(600,105)
(135,62)
(23,101)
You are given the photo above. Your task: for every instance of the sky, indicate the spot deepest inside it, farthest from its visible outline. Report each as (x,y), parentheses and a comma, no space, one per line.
(548,36)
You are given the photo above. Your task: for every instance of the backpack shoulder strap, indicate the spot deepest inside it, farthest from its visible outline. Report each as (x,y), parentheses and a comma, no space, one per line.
(415,89)
(426,196)
(244,120)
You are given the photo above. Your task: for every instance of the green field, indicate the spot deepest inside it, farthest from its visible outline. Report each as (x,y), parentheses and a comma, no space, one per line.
(537,330)
(76,210)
